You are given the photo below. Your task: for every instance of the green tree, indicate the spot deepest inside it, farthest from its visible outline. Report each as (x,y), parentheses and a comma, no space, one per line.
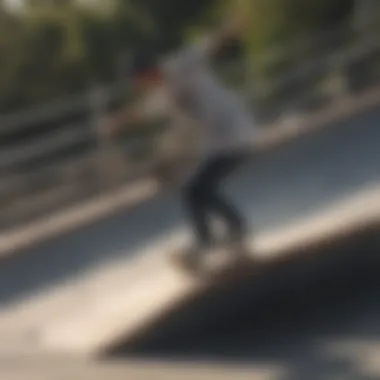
(57,47)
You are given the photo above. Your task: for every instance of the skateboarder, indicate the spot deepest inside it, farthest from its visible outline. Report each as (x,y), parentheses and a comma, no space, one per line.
(185,89)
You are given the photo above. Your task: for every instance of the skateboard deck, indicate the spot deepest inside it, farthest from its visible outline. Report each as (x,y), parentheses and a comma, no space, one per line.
(230,266)
(217,264)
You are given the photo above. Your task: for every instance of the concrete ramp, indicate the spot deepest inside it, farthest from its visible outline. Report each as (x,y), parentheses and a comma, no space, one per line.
(139,370)
(83,293)
(316,317)
(145,301)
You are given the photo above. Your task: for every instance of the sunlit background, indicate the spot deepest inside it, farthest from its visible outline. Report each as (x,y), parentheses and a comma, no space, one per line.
(86,220)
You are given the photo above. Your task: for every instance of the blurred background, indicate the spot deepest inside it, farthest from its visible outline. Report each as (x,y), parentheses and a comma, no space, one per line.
(62,70)
(68,231)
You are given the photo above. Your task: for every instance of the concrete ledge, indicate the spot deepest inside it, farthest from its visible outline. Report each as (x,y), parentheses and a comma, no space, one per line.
(136,311)
(84,214)
(46,369)
(76,217)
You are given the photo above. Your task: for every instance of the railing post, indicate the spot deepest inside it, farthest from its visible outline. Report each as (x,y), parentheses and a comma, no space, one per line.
(105,163)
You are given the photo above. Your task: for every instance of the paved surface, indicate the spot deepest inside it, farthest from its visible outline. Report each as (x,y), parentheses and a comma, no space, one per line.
(313,320)
(274,189)
(324,332)
(136,371)
(316,320)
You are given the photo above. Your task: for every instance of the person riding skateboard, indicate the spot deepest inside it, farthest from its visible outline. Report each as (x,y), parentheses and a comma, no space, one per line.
(185,88)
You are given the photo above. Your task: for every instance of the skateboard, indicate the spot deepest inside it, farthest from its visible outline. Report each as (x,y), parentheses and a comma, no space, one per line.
(221,262)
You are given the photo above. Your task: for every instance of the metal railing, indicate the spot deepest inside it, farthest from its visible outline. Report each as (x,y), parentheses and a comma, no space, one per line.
(53,156)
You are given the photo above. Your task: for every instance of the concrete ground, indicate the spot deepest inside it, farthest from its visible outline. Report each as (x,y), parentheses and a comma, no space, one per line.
(314,320)
(275,189)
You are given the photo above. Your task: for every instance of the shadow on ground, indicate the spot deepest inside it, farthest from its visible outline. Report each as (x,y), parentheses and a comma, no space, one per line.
(317,319)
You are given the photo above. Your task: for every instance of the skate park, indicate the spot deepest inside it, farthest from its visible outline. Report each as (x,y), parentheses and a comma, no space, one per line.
(106,290)
(87,290)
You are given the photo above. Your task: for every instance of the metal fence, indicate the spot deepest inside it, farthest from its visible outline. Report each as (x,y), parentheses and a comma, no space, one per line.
(53,156)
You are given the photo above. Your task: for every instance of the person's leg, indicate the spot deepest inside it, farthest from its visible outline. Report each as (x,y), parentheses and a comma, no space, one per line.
(220,169)
(201,197)
(195,198)
(236,226)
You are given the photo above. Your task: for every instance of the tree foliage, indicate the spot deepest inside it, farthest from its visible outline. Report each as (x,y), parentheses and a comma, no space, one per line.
(53,48)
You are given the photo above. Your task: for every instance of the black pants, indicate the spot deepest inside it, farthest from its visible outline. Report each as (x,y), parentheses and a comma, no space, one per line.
(202,198)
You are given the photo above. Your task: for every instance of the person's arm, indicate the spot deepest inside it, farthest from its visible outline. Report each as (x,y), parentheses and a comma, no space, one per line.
(128,116)
(133,115)
(210,45)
